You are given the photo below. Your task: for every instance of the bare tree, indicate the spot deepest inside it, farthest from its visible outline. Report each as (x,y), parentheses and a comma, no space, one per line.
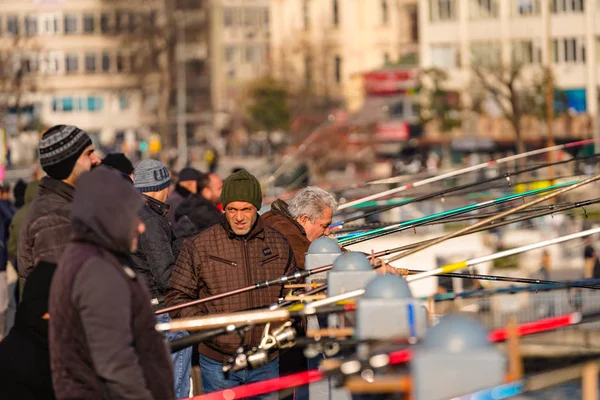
(518,92)
(19,64)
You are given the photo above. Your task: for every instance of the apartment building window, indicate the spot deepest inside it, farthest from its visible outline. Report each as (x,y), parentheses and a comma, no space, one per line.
(569,50)
(384,12)
(305,14)
(90,62)
(266,16)
(71,63)
(483,9)
(230,54)
(443,56)
(338,69)
(88,23)
(228,18)
(120,62)
(104,23)
(567,6)
(252,54)
(442,10)
(95,103)
(70,22)
(119,22)
(386,58)
(336,12)
(105,62)
(308,62)
(49,23)
(31,25)
(67,104)
(526,52)
(526,7)
(413,18)
(12,24)
(50,63)
(133,22)
(486,54)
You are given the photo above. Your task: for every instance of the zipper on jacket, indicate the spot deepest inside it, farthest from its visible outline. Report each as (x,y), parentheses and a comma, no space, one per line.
(275,257)
(250,338)
(219,259)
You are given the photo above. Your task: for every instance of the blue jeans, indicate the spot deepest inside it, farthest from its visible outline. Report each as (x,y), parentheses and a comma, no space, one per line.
(213,378)
(182,362)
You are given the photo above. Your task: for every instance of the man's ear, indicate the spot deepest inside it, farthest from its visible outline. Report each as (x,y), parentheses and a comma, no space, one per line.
(303,219)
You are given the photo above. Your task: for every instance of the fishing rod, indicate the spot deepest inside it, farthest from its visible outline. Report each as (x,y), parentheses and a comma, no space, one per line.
(378,206)
(496,217)
(445,192)
(462,264)
(382,359)
(533,212)
(395,228)
(268,315)
(551,209)
(535,287)
(467,170)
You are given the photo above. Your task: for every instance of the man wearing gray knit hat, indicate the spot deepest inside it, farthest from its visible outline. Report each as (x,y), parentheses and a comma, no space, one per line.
(156,254)
(65,153)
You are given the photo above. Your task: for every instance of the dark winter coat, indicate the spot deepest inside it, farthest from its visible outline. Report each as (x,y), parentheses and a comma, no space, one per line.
(179,194)
(6,215)
(156,254)
(194,215)
(280,218)
(19,217)
(24,356)
(103,344)
(216,261)
(46,228)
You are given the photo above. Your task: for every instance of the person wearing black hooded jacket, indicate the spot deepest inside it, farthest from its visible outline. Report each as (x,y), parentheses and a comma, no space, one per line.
(103,344)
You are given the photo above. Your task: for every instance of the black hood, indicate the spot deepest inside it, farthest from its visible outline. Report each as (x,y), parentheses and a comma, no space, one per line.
(105,210)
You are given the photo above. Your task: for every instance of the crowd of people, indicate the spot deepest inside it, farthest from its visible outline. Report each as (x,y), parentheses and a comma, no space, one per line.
(100,247)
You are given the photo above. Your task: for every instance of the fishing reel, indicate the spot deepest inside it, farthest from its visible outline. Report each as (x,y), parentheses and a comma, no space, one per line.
(282,338)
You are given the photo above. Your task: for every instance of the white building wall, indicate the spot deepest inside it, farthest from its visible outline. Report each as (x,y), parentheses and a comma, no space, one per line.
(360,39)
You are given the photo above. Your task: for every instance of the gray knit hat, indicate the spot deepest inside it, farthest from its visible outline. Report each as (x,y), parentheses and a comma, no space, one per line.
(151,176)
(60,147)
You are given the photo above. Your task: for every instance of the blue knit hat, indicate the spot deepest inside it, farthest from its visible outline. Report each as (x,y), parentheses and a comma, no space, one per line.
(151,176)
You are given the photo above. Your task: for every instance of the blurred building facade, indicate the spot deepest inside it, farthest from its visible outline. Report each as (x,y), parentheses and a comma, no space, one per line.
(326,45)
(241,48)
(456,34)
(78,62)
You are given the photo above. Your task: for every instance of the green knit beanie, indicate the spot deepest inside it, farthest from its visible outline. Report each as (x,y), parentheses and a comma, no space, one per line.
(241,186)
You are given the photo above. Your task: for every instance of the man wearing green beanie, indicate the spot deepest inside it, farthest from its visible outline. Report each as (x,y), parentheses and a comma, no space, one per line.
(238,252)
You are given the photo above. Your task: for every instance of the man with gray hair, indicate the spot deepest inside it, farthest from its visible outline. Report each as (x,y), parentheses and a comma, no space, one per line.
(304,219)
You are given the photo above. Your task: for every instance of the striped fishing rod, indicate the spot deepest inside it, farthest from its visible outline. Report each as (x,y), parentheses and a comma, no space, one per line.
(487,221)
(268,315)
(412,224)
(552,209)
(541,285)
(442,193)
(463,171)
(382,359)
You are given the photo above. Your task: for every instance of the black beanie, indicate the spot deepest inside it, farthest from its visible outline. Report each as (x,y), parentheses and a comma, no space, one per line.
(242,186)
(118,161)
(60,147)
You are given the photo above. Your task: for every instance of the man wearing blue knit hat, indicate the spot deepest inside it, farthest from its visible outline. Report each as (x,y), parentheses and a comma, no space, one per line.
(156,254)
